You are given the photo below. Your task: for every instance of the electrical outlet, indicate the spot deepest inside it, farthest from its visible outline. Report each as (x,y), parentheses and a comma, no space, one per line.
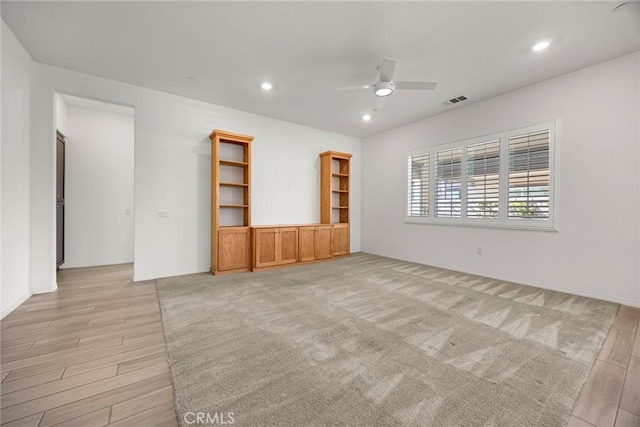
(290,188)
(127,211)
(163,213)
(479,250)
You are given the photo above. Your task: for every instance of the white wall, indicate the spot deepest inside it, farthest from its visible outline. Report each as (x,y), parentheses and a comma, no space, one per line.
(99,187)
(2,311)
(172,171)
(17,71)
(61,114)
(596,251)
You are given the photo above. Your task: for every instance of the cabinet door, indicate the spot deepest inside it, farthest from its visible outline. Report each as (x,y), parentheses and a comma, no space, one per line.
(340,239)
(233,249)
(265,247)
(323,249)
(306,243)
(288,245)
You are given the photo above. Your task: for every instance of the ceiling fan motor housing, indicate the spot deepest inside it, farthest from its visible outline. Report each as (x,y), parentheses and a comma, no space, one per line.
(383,88)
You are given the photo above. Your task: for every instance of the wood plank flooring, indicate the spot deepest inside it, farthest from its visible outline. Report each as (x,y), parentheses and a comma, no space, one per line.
(90,354)
(93,354)
(611,396)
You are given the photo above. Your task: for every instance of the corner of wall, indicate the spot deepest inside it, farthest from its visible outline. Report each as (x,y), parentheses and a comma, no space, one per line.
(17,96)
(5,311)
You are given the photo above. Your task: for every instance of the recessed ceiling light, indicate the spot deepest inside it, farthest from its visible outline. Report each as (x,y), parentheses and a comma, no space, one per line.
(541,46)
(266,86)
(366,117)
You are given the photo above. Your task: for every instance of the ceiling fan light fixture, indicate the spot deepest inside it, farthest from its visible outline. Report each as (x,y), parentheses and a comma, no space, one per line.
(384,88)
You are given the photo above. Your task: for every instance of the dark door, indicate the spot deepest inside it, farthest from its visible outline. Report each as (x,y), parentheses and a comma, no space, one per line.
(59,199)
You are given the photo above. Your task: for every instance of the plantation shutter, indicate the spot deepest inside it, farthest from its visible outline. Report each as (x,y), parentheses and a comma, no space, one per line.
(418,188)
(529,175)
(448,183)
(483,179)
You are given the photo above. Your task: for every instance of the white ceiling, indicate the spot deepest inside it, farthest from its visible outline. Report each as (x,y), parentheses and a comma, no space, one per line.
(307,49)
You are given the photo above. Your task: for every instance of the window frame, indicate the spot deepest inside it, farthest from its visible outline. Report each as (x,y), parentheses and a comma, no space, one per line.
(407,197)
(502,221)
(421,218)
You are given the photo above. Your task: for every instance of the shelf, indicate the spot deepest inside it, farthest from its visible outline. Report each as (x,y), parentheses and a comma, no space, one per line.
(335,189)
(230,202)
(233,163)
(233,184)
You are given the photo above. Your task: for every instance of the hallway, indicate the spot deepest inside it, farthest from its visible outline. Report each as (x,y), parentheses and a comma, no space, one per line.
(90,354)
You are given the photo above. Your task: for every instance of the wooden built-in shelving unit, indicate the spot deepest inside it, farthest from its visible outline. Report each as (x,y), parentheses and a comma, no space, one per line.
(237,246)
(335,182)
(230,202)
(334,187)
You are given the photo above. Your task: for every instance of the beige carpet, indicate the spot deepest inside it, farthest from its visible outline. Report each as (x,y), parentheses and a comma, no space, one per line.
(371,341)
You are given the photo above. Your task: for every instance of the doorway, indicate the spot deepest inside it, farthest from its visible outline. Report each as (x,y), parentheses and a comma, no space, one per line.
(59,198)
(97,216)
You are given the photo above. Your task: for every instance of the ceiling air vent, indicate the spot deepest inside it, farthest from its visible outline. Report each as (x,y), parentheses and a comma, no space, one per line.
(455,100)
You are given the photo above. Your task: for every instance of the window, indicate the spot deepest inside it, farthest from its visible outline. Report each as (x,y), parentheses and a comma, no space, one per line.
(500,180)
(483,180)
(448,181)
(529,175)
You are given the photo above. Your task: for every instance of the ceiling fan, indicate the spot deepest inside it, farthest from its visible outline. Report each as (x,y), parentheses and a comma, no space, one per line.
(385,85)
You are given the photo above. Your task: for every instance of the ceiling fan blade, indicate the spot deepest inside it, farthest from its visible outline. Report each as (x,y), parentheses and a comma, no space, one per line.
(355,87)
(415,85)
(380,101)
(386,69)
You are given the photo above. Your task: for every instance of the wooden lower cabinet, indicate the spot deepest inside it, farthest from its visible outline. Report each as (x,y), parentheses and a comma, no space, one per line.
(306,244)
(314,243)
(340,239)
(234,249)
(275,246)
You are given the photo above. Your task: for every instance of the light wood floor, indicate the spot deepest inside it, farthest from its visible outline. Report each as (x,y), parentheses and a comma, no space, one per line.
(90,354)
(93,354)
(611,396)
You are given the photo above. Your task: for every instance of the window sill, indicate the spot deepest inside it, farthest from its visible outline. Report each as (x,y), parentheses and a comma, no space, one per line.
(485,224)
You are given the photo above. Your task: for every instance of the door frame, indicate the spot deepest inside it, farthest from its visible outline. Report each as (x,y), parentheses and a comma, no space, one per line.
(60,138)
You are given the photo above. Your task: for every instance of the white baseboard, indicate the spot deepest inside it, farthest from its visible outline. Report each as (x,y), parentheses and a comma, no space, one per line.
(593,295)
(68,265)
(14,305)
(520,281)
(53,288)
(160,275)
